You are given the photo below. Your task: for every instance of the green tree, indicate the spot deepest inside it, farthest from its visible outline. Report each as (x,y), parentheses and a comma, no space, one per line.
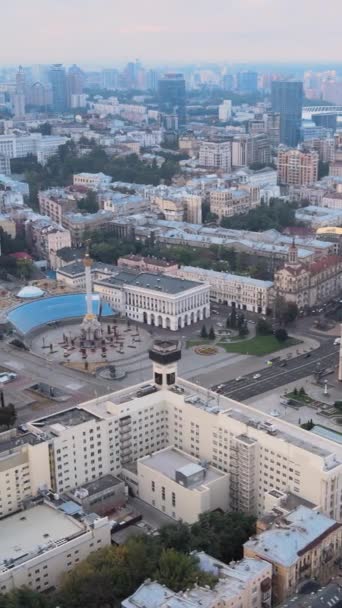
(281,334)
(8,416)
(89,203)
(233,318)
(263,328)
(176,536)
(204,333)
(180,572)
(24,598)
(211,334)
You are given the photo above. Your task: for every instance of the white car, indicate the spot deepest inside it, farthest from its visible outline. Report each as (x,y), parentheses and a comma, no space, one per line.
(337,341)
(238,379)
(7,377)
(256,376)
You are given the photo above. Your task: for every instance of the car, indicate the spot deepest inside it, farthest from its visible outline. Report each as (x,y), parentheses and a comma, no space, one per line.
(337,341)
(256,376)
(307,355)
(7,377)
(238,379)
(283,364)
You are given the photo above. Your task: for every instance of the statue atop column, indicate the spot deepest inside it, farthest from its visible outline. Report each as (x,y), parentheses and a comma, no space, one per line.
(90,324)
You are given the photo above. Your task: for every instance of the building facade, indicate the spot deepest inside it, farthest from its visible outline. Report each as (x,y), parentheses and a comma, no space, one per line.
(159,300)
(302,545)
(287,101)
(309,284)
(216,155)
(296,168)
(240,292)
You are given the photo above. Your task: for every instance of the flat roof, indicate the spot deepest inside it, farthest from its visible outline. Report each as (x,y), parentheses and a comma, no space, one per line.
(23,533)
(100,484)
(295,533)
(152,281)
(171,460)
(66,418)
(15,441)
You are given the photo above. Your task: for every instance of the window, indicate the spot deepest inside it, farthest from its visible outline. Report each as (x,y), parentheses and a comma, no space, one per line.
(153,486)
(163,493)
(173,499)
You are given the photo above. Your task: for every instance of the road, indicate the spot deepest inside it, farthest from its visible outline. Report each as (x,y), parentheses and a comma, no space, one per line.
(271,377)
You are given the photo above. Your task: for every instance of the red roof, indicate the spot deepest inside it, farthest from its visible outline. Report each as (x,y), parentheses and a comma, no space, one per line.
(319,265)
(21,255)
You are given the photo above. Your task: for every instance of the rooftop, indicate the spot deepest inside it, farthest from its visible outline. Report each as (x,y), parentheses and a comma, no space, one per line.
(293,536)
(226,276)
(101,484)
(170,460)
(10,440)
(29,531)
(67,418)
(153,281)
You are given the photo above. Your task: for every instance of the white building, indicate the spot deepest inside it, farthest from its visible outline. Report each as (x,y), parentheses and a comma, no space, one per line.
(258,453)
(241,292)
(43,542)
(225,110)
(154,299)
(24,469)
(176,484)
(41,146)
(246,584)
(216,155)
(73,274)
(93,181)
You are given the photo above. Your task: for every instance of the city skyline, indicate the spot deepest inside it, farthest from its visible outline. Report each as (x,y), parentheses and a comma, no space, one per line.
(192,31)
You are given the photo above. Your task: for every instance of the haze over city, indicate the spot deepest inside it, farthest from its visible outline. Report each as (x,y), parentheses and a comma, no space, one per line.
(103,31)
(171,304)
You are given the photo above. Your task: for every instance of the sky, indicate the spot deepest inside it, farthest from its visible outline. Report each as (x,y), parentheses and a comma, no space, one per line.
(180,31)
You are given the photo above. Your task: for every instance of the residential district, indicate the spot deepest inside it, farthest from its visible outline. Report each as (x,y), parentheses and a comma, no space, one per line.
(170,338)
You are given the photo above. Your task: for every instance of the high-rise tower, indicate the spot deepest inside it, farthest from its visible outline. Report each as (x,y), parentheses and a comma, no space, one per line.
(172,96)
(287,99)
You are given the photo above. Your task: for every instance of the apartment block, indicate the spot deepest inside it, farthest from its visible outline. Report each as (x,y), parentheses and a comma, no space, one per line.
(216,155)
(46,540)
(297,168)
(24,469)
(55,202)
(240,292)
(301,545)
(228,202)
(93,181)
(245,584)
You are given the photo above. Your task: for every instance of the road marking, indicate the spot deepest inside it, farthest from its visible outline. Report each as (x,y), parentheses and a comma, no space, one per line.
(74,386)
(14,364)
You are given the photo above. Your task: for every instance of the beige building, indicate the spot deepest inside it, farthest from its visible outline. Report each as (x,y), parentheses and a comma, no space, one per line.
(55,203)
(301,545)
(171,207)
(176,484)
(228,202)
(335,168)
(243,584)
(43,542)
(46,238)
(216,155)
(309,284)
(258,453)
(243,293)
(146,264)
(332,200)
(93,181)
(296,168)
(24,469)
(80,224)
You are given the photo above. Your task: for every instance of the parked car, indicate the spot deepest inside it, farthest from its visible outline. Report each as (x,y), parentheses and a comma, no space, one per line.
(7,377)
(256,376)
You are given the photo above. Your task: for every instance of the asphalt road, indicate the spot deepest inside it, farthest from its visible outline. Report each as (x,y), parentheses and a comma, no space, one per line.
(271,377)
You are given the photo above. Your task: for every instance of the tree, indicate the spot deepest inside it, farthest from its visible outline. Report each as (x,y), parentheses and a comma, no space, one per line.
(228,322)
(176,536)
(263,328)
(24,598)
(179,571)
(308,425)
(222,535)
(243,331)
(89,203)
(204,333)
(233,318)
(302,391)
(8,416)
(281,334)
(212,334)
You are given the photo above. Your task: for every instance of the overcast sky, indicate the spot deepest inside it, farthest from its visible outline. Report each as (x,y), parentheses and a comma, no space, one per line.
(96,31)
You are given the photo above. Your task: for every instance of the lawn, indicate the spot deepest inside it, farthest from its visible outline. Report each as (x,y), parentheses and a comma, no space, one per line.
(260,345)
(199,342)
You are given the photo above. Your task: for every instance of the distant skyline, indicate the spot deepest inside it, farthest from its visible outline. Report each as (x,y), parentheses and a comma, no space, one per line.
(159,31)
